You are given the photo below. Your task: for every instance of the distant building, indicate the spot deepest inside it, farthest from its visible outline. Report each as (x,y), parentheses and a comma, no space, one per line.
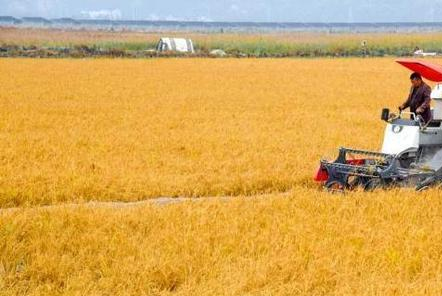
(9,20)
(65,21)
(36,21)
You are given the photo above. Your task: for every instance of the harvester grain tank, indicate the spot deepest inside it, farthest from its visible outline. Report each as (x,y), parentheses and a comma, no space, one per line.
(411,153)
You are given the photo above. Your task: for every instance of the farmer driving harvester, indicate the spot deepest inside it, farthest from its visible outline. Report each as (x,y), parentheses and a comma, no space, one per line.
(419,98)
(411,153)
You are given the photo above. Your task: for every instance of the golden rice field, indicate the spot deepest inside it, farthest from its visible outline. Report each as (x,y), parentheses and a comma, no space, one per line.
(75,130)
(308,244)
(125,130)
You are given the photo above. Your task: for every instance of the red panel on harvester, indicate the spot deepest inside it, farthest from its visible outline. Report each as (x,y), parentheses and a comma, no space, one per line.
(432,72)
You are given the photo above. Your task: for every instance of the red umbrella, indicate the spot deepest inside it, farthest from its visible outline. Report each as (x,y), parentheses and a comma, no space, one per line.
(432,72)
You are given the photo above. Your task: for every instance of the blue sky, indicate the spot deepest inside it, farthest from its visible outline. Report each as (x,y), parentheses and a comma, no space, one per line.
(233,10)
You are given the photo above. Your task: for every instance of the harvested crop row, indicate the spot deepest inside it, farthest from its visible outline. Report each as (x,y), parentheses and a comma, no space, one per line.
(310,243)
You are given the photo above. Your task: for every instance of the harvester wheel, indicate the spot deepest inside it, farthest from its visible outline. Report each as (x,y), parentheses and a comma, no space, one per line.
(335,187)
(353,182)
(423,188)
(373,184)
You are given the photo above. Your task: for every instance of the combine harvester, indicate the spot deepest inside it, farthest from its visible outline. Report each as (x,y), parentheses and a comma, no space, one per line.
(411,154)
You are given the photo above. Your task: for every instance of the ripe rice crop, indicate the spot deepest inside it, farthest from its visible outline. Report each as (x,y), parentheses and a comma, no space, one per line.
(385,243)
(111,129)
(74,130)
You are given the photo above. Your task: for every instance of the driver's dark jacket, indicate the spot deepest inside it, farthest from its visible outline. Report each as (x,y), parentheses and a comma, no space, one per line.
(420,97)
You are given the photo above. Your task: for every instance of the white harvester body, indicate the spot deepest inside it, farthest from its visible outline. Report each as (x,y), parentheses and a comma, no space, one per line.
(398,138)
(412,134)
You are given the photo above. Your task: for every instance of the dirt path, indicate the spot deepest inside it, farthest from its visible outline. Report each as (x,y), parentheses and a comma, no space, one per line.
(160,201)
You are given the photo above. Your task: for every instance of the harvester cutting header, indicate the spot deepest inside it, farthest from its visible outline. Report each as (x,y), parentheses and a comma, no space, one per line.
(411,154)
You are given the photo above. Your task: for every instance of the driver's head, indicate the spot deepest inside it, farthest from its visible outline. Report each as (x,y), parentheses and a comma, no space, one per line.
(416,79)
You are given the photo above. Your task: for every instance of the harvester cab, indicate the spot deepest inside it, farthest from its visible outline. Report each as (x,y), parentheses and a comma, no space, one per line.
(411,153)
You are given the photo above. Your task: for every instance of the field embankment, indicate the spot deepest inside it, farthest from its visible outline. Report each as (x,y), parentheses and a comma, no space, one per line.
(16,42)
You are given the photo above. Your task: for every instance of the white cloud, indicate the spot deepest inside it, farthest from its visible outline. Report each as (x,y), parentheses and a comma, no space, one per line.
(46,7)
(21,8)
(203,19)
(234,7)
(237,10)
(102,14)
(17,7)
(155,17)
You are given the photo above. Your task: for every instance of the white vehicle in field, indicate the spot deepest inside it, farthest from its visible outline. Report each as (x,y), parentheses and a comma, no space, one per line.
(421,53)
(411,154)
(175,44)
